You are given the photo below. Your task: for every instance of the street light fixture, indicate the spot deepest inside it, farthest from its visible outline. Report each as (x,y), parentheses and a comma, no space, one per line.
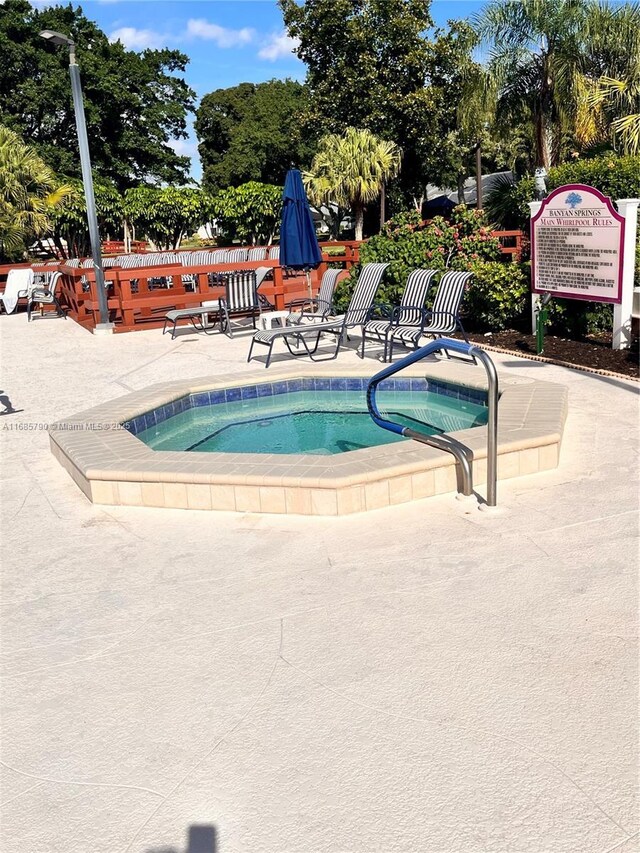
(87,180)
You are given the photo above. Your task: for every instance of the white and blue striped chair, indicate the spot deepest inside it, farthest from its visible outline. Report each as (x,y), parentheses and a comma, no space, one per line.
(202,257)
(442,319)
(409,313)
(355,315)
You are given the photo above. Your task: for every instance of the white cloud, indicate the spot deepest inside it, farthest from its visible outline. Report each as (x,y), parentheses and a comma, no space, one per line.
(184,147)
(222,36)
(279,44)
(136,39)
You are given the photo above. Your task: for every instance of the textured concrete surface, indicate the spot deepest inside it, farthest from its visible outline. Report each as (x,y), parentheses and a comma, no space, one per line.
(418,678)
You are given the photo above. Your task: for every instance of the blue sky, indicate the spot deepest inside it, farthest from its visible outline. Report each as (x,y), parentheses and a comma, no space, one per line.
(227,41)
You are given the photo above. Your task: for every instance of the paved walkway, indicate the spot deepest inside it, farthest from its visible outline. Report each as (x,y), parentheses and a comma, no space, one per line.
(412,680)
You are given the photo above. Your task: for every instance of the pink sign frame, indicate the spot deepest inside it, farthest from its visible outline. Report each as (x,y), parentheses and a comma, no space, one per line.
(564,294)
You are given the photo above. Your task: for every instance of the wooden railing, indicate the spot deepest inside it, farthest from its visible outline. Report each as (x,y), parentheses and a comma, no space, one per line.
(511,243)
(135,303)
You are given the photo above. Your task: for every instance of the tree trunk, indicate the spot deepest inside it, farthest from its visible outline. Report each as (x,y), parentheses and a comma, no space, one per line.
(383,201)
(461,195)
(543,148)
(127,236)
(358,210)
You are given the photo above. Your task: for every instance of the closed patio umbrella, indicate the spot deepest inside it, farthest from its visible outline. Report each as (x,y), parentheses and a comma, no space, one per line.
(298,243)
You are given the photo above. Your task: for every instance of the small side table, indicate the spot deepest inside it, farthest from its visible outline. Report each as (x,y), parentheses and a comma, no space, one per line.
(270,317)
(214,308)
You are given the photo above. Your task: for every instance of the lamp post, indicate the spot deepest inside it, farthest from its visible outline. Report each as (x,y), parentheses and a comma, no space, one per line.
(87,180)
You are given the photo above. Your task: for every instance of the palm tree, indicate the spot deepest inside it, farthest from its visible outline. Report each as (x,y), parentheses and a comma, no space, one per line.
(536,50)
(350,170)
(610,86)
(29,191)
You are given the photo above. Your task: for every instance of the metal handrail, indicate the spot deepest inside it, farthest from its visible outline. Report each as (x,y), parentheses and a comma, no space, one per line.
(445,442)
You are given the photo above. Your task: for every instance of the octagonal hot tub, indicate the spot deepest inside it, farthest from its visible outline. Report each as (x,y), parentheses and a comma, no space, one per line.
(302,444)
(319,416)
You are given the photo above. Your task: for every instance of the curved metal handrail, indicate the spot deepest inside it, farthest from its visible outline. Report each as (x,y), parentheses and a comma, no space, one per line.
(445,442)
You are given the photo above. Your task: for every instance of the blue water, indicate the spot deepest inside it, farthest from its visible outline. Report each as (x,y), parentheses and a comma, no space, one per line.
(315,422)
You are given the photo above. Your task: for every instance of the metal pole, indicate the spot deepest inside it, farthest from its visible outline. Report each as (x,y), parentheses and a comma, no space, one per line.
(87,180)
(492,425)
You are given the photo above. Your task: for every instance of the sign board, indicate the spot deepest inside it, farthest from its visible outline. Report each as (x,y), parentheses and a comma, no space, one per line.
(577,240)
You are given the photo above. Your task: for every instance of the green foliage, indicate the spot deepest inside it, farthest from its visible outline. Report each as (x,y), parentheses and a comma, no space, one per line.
(453,244)
(251,133)
(575,319)
(498,295)
(165,215)
(367,64)
(616,177)
(70,219)
(135,103)
(250,213)
(350,170)
(29,195)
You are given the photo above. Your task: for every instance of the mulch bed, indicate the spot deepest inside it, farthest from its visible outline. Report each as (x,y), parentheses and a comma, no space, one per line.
(593,353)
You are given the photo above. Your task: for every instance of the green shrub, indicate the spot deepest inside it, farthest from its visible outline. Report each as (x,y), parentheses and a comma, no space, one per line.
(497,296)
(575,319)
(441,244)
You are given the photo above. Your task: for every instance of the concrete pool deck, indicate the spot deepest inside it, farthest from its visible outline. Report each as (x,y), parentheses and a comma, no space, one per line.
(415,678)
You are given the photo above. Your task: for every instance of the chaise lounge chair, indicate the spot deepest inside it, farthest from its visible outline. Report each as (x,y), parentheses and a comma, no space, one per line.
(320,306)
(241,297)
(442,319)
(45,295)
(409,313)
(355,315)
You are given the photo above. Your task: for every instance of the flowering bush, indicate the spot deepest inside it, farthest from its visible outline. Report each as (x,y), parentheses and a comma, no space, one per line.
(408,245)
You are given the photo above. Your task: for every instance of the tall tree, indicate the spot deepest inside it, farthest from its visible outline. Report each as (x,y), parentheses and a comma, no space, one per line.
(136,103)
(367,66)
(250,212)
(70,229)
(351,170)
(29,193)
(609,86)
(252,133)
(537,48)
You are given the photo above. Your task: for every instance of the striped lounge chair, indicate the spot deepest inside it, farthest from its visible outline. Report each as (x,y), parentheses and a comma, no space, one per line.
(241,297)
(442,319)
(409,313)
(320,306)
(309,335)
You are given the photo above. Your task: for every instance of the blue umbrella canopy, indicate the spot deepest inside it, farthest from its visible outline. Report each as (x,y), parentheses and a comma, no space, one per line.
(298,243)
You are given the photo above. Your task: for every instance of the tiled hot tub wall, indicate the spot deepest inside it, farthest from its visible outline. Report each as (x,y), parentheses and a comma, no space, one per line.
(219,396)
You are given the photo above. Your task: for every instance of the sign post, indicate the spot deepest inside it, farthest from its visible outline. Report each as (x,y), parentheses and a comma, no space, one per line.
(583,248)
(622,311)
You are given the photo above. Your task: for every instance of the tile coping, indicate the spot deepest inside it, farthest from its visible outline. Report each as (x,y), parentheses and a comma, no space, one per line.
(94,447)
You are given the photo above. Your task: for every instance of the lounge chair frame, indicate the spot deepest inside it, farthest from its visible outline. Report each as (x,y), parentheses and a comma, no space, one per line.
(355,315)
